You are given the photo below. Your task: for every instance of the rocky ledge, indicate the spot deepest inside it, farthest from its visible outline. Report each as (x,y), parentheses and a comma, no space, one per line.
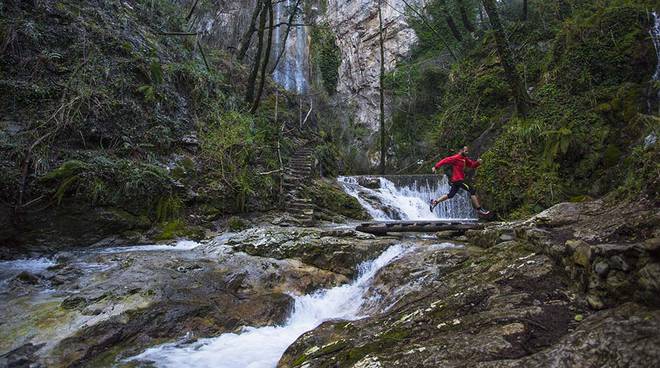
(576,285)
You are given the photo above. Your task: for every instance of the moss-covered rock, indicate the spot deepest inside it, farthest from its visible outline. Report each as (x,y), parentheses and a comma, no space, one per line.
(330,198)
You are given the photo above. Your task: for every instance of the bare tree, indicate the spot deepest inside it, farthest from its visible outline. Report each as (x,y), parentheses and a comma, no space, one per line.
(292,16)
(269,8)
(249,93)
(518,90)
(247,37)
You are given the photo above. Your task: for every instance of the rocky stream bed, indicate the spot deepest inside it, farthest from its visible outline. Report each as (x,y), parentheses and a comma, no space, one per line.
(573,286)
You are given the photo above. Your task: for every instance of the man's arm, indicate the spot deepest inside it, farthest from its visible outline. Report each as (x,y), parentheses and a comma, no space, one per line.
(472,163)
(445,161)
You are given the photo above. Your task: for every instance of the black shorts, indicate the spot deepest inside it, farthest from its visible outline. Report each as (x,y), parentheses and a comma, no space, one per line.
(455,186)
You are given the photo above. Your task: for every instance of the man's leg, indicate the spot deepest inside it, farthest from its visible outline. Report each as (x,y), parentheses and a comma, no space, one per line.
(450,195)
(476,203)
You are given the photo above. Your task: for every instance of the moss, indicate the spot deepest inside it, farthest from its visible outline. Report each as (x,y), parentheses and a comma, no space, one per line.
(326,56)
(178,229)
(236,224)
(329,196)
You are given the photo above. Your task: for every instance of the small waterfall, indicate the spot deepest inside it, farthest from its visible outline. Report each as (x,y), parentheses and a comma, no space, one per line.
(407,197)
(655,36)
(290,71)
(262,347)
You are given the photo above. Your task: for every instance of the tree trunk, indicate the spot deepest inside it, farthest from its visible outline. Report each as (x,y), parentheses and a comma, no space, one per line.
(520,95)
(249,93)
(450,22)
(269,8)
(383,149)
(247,38)
(464,16)
(524,11)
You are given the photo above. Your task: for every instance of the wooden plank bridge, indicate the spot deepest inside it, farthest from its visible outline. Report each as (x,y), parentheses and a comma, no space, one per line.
(384,227)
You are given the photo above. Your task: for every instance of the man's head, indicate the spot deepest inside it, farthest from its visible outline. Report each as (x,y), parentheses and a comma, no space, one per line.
(464,151)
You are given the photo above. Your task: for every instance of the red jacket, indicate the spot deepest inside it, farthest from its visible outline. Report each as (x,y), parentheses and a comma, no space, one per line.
(458,163)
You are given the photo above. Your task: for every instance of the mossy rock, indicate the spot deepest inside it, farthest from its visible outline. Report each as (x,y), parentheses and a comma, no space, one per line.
(178,229)
(329,196)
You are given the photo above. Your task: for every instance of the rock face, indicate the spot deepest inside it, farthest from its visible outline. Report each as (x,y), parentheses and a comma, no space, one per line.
(334,250)
(355,23)
(576,284)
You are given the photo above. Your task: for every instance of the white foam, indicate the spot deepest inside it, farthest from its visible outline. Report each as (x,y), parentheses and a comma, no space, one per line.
(408,202)
(262,347)
(181,245)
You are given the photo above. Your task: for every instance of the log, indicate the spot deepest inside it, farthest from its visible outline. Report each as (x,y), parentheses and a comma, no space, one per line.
(382,228)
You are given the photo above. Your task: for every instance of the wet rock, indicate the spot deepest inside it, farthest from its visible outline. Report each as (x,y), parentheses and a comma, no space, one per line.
(24,356)
(483,238)
(618,263)
(435,308)
(311,246)
(595,302)
(27,278)
(581,252)
(601,269)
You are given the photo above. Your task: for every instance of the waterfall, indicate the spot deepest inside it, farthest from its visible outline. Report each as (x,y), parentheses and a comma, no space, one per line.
(290,71)
(262,347)
(407,197)
(655,36)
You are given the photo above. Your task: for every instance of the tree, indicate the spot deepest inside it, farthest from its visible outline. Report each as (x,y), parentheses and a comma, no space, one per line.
(292,17)
(249,93)
(464,16)
(425,21)
(247,37)
(450,21)
(268,5)
(520,95)
(383,149)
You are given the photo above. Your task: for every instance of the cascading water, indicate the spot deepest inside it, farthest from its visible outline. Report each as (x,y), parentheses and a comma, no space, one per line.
(655,36)
(263,346)
(290,71)
(407,197)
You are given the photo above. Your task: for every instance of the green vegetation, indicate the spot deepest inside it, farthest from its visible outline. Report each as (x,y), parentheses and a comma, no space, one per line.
(103,109)
(326,56)
(587,66)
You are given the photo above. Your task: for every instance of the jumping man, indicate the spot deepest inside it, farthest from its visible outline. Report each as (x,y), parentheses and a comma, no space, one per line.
(458,162)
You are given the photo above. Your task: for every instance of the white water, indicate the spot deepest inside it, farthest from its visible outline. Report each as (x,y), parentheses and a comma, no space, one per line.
(178,246)
(655,36)
(290,71)
(262,347)
(9,269)
(410,199)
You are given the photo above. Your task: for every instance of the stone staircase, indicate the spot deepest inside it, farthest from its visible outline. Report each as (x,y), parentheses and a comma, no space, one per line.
(296,177)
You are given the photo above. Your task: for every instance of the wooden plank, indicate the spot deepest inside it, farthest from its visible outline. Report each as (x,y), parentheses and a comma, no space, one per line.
(382,228)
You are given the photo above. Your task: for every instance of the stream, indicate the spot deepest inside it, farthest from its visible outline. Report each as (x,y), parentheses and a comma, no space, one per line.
(262,347)
(79,288)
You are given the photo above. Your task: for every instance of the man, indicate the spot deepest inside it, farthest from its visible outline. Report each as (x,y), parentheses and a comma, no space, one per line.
(458,162)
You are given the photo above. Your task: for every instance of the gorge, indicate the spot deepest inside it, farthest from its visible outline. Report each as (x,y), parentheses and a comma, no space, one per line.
(184,181)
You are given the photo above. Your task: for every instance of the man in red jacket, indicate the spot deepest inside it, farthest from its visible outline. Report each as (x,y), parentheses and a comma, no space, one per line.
(458,162)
